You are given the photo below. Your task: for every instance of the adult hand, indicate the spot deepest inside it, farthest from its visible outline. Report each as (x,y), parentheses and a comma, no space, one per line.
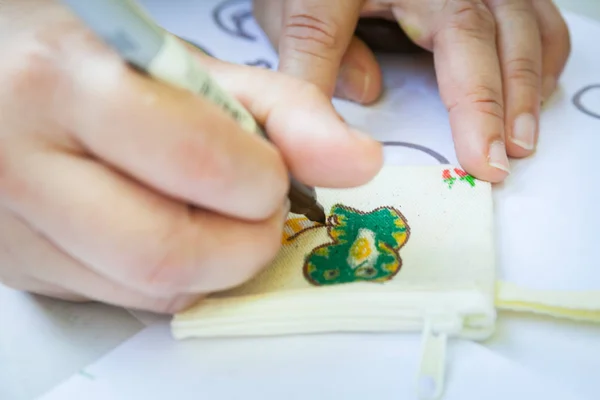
(496,60)
(117,188)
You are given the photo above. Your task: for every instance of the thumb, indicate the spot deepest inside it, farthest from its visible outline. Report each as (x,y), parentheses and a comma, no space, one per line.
(359,78)
(314,38)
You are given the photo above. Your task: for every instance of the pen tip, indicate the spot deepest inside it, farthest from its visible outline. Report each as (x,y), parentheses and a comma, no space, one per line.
(317,214)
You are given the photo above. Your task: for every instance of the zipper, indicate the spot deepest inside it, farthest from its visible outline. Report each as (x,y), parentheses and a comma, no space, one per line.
(432,365)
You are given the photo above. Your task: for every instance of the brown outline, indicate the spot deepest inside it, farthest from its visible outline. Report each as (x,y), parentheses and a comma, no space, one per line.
(294,236)
(329,226)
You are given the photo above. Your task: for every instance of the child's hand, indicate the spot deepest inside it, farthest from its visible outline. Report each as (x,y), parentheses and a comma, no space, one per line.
(117,188)
(496,60)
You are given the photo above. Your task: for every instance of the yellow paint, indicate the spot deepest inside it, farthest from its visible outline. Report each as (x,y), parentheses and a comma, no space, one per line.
(391,267)
(360,249)
(399,223)
(400,237)
(322,251)
(331,274)
(335,233)
(295,224)
(384,249)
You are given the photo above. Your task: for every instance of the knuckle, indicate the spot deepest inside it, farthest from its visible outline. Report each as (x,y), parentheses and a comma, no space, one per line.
(483,99)
(166,267)
(524,70)
(161,277)
(196,163)
(513,6)
(310,91)
(473,19)
(311,34)
(220,177)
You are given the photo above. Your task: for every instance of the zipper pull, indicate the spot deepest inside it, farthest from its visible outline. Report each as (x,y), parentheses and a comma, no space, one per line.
(432,368)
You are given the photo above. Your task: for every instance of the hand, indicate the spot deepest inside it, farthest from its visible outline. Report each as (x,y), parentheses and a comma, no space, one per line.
(117,188)
(496,60)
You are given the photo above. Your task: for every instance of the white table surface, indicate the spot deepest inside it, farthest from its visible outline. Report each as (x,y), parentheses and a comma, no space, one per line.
(43,341)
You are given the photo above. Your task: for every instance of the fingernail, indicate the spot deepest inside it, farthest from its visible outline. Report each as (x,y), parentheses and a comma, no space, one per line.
(548,88)
(497,157)
(523,134)
(411,31)
(354,83)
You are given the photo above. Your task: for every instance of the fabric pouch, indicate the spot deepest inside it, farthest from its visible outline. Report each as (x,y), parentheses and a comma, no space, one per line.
(413,250)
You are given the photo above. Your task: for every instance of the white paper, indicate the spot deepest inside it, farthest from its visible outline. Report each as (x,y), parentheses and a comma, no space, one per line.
(45,341)
(152,366)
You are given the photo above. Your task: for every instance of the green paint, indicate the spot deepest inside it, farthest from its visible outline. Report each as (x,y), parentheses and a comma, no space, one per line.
(450,181)
(470,179)
(365,247)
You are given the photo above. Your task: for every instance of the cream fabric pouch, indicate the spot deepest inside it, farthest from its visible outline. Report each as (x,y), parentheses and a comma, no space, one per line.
(414,244)
(413,250)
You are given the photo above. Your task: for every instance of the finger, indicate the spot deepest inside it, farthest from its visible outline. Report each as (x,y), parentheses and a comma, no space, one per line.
(520,50)
(14,276)
(131,235)
(171,140)
(556,44)
(99,289)
(269,15)
(53,291)
(17,250)
(45,270)
(60,294)
(365,87)
(469,76)
(313,40)
(317,145)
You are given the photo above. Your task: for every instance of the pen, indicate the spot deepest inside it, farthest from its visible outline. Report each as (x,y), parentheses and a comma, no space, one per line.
(128,29)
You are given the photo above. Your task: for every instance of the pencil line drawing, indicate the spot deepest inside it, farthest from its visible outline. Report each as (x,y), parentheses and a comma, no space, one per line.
(578,100)
(440,158)
(231,18)
(261,62)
